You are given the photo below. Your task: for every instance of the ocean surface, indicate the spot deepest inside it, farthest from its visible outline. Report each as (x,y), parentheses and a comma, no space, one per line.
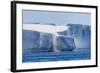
(60,56)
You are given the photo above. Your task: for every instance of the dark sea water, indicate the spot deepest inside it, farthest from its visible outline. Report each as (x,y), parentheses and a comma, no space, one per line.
(61,56)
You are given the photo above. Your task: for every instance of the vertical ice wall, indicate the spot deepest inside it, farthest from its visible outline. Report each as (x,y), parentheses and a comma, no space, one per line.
(56,38)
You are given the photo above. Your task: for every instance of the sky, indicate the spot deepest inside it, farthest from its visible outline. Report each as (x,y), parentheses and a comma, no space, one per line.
(53,17)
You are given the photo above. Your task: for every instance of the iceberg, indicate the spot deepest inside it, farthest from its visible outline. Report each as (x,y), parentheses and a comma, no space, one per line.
(55,38)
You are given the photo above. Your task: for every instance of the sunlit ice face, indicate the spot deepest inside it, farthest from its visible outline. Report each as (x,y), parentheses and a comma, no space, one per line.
(53,29)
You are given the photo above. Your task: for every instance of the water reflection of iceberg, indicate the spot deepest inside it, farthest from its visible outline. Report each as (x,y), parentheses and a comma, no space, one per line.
(55,38)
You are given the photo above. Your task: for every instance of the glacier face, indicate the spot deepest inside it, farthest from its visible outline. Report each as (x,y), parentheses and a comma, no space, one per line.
(76,36)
